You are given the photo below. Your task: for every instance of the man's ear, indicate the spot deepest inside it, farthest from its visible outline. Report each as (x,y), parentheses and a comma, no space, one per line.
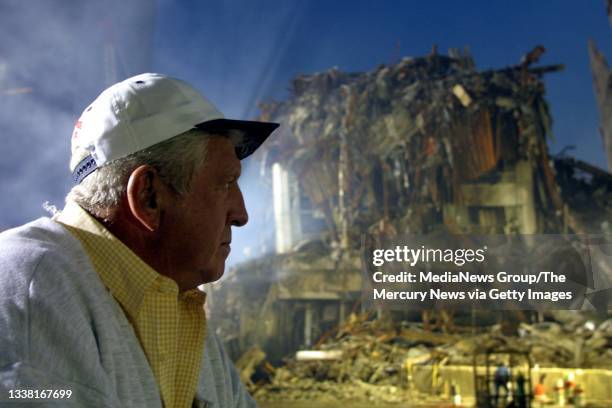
(145,197)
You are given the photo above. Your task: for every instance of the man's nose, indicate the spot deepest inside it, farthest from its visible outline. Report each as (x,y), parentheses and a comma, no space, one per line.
(238,215)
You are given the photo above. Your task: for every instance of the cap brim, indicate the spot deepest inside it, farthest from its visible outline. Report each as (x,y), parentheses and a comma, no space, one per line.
(255,133)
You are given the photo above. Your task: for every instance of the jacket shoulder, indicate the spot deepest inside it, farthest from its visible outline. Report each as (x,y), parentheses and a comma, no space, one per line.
(43,279)
(30,248)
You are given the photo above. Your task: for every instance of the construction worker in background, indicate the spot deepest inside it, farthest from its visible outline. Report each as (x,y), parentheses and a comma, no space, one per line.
(559,393)
(520,394)
(569,385)
(539,391)
(455,394)
(501,378)
(578,397)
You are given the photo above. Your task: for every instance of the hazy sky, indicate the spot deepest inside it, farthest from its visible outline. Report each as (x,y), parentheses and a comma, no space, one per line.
(56,56)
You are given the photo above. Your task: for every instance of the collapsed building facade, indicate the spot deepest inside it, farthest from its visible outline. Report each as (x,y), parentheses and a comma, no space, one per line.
(429,145)
(603,95)
(603,92)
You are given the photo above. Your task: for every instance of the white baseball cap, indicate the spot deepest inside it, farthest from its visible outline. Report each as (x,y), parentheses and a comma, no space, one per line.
(147,109)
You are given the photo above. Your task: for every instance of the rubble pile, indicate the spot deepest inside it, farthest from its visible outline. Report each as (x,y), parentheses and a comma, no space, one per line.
(377,356)
(290,388)
(587,190)
(371,367)
(398,142)
(570,339)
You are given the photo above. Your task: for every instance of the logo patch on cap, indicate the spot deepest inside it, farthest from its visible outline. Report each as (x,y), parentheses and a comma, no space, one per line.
(77,127)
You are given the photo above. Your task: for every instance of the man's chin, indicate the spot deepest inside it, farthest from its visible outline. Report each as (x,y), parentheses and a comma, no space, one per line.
(212,275)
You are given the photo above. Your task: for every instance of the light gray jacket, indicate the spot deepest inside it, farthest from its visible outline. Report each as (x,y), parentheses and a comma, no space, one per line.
(60,329)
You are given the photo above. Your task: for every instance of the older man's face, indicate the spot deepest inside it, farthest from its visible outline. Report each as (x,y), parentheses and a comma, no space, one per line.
(199,224)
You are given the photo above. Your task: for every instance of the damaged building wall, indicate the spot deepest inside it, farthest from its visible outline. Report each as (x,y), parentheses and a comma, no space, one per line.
(429,145)
(431,142)
(603,94)
(286,208)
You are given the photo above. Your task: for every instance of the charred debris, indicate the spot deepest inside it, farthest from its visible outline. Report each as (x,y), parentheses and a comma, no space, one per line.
(380,361)
(429,145)
(431,142)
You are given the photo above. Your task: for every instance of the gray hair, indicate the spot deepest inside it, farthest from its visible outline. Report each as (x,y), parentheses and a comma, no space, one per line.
(175,159)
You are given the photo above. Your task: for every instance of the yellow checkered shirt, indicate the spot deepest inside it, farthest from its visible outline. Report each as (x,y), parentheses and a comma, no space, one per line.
(170,325)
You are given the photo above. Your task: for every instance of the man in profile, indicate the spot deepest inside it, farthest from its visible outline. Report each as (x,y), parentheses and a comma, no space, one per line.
(100,306)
